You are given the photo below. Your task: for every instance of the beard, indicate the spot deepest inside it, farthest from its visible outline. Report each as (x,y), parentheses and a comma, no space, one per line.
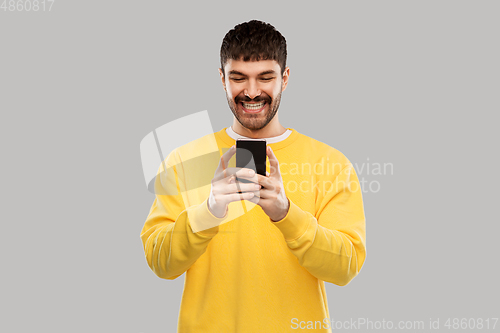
(252,121)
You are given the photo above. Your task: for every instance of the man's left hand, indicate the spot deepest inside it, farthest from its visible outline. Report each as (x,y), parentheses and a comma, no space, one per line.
(272,197)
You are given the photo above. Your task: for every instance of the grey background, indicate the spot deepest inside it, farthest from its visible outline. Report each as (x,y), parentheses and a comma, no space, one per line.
(412,83)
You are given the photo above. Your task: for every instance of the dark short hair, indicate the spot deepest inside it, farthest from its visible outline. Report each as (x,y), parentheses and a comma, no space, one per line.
(253,41)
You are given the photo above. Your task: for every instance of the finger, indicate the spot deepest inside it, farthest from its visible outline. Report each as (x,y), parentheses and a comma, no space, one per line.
(239,172)
(224,160)
(248,174)
(236,173)
(227,198)
(239,187)
(273,162)
(229,172)
(267,194)
(255,199)
(266,182)
(220,181)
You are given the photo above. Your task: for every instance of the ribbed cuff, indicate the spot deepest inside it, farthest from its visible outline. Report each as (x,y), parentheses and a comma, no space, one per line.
(295,223)
(202,221)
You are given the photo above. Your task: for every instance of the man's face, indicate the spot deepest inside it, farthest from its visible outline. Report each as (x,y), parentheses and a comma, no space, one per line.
(253,90)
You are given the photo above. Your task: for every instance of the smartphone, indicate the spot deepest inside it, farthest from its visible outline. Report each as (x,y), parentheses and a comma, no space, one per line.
(251,154)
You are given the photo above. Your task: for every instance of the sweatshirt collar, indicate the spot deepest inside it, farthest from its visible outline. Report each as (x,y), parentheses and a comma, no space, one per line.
(234,135)
(291,136)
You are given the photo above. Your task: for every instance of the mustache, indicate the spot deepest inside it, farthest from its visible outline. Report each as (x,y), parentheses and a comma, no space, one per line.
(257,99)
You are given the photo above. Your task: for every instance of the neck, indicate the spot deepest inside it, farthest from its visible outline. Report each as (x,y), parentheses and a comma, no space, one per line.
(274,128)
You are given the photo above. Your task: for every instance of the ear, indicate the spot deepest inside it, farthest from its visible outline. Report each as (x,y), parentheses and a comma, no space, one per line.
(286,74)
(222,78)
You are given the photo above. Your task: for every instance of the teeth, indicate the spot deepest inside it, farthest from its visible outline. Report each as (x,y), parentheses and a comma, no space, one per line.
(253,106)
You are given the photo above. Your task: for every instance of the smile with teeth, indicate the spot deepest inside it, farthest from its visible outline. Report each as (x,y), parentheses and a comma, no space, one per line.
(253,106)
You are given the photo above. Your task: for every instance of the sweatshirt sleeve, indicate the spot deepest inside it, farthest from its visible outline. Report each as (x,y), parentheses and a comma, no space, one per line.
(332,247)
(170,245)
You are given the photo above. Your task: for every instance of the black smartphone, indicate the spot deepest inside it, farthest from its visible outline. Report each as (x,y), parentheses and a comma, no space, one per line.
(251,154)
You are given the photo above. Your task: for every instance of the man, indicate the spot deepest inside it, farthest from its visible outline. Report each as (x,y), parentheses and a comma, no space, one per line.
(256,255)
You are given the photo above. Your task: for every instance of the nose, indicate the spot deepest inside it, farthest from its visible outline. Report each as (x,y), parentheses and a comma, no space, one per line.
(252,91)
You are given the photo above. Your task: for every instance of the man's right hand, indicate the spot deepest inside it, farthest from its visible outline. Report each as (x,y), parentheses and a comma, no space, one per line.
(226,188)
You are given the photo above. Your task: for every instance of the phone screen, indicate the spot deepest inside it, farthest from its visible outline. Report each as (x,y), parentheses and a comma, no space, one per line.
(251,154)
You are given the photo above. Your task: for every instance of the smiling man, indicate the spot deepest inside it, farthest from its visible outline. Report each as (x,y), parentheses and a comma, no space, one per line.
(253,91)
(256,255)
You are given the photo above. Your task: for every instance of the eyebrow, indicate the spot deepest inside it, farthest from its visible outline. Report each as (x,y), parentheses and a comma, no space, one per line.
(260,74)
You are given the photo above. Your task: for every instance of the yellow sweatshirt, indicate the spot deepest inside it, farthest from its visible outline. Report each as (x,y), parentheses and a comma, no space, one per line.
(249,274)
